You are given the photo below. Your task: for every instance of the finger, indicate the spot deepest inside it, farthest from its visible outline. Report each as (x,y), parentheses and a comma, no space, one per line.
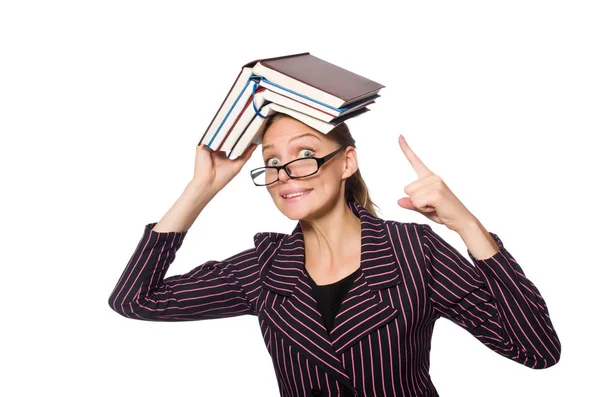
(425,200)
(413,159)
(421,183)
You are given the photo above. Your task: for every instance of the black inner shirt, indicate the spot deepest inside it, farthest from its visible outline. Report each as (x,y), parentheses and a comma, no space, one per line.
(329,297)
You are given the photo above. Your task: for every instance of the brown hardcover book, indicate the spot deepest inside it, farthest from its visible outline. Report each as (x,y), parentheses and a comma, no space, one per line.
(302,76)
(318,79)
(239,81)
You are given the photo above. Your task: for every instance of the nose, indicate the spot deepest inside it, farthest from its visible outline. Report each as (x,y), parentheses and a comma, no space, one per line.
(283,176)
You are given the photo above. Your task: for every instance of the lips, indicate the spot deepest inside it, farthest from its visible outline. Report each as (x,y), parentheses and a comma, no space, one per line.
(302,194)
(290,191)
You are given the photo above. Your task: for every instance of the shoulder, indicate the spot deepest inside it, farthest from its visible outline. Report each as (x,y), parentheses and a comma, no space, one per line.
(413,235)
(266,246)
(261,238)
(405,228)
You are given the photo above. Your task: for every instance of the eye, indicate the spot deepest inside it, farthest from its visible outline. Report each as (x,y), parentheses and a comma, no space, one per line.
(303,150)
(309,150)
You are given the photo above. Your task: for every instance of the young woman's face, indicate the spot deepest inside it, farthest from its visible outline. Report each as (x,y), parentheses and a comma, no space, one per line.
(288,139)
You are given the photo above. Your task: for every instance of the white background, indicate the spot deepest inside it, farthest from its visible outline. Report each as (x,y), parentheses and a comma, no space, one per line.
(102,105)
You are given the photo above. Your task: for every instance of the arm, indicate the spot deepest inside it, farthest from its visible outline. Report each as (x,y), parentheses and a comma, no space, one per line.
(492,300)
(214,289)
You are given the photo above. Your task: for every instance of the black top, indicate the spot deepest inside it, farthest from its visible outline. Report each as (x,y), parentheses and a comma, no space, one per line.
(329,297)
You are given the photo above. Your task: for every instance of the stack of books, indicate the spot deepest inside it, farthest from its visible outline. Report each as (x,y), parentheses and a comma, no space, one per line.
(318,93)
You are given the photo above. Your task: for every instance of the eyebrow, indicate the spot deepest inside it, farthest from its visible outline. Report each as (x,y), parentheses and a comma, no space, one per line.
(293,139)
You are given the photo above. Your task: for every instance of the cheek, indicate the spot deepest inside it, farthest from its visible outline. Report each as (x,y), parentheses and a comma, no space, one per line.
(332,173)
(273,193)
(327,180)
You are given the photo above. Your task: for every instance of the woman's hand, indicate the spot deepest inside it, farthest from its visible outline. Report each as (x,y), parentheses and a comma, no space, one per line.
(214,169)
(430,196)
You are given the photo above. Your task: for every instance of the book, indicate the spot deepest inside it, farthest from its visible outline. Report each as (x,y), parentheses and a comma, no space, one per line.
(245,118)
(317,79)
(253,133)
(299,84)
(233,96)
(315,104)
(262,96)
(231,115)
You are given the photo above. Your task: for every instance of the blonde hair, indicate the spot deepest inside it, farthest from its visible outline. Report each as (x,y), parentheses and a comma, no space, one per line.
(355,188)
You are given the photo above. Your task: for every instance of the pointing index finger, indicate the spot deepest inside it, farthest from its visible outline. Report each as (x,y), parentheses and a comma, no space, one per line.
(419,167)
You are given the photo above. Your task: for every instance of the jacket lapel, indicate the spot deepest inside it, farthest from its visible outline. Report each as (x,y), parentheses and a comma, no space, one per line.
(362,311)
(298,320)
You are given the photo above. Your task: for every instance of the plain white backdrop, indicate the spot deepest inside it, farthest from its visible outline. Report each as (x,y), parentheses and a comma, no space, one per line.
(102,105)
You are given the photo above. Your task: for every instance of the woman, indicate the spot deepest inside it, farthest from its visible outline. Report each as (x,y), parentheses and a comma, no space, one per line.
(346,302)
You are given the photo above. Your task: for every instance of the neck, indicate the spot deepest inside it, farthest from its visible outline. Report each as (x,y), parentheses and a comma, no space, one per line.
(332,239)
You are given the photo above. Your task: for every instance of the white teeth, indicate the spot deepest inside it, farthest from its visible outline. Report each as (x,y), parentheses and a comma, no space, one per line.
(295,194)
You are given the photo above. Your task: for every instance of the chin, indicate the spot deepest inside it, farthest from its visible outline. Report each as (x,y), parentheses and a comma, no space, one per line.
(296,213)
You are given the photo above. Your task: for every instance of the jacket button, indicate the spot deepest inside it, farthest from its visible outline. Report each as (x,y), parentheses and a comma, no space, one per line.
(316,392)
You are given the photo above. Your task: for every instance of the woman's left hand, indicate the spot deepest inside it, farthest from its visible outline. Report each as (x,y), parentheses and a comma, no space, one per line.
(430,196)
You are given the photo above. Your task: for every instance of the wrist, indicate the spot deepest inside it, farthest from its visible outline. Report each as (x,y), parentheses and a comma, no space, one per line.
(468,226)
(478,240)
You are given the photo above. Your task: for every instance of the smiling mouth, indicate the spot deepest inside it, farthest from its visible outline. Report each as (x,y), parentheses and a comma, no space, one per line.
(296,196)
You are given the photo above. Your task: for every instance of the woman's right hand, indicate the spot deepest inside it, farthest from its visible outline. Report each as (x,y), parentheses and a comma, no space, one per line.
(214,170)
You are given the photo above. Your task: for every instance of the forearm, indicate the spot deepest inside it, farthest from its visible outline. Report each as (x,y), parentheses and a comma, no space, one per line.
(144,273)
(478,240)
(493,300)
(213,289)
(186,209)
(523,318)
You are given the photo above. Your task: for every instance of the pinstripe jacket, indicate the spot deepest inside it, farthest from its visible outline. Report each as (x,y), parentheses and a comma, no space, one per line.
(381,337)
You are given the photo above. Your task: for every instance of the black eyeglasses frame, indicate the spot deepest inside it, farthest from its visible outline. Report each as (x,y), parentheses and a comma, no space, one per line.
(320,162)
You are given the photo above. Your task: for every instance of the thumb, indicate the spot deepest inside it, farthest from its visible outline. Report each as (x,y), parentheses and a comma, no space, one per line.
(429,212)
(405,202)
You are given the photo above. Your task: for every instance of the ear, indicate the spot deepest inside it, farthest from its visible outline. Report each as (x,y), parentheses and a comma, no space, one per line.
(350,162)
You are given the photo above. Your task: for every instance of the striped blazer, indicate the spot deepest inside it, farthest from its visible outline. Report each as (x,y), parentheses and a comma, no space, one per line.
(381,337)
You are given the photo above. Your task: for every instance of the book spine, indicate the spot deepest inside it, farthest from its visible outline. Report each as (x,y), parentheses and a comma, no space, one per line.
(243,119)
(253,132)
(231,109)
(221,106)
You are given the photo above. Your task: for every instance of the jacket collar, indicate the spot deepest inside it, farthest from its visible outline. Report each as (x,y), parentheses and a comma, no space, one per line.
(298,320)
(288,257)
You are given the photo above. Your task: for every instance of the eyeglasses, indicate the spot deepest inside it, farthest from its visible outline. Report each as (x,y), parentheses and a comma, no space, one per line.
(298,168)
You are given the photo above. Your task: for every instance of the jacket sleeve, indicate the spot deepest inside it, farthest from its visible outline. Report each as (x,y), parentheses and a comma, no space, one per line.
(214,289)
(492,300)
